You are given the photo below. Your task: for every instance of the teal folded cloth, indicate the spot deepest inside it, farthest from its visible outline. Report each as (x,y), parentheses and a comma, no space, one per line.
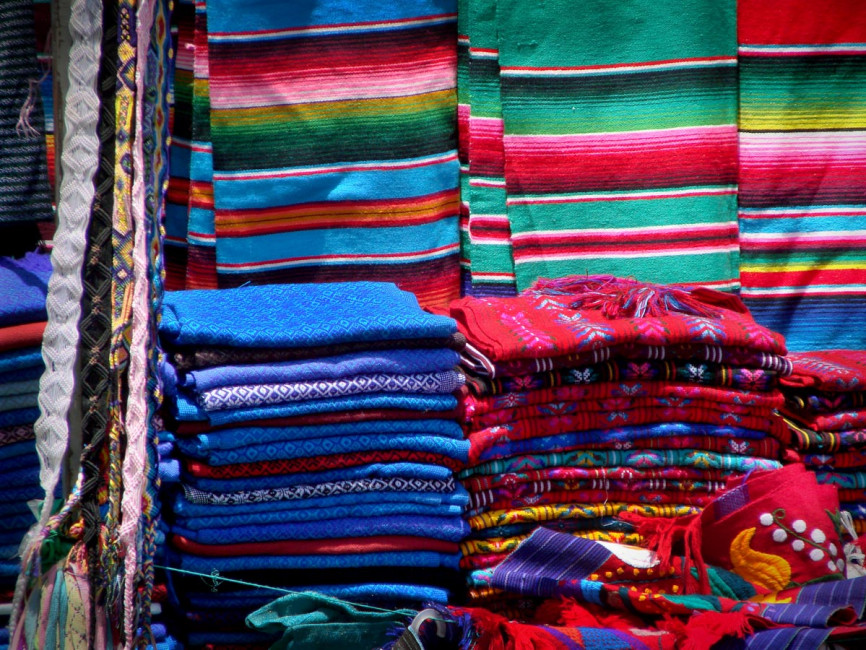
(308,621)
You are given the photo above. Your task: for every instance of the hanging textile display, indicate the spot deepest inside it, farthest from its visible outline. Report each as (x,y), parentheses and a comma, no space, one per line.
(802,168)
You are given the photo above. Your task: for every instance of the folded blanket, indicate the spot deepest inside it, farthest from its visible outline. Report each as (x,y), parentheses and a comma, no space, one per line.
(559,317)
(474,359)
(306,464)
(194,357)
(189,410)
(20,359)
(205,445)
(852,480)
(321,490)
(838,421)
(22,448)
(355,511)
(401,469)
(451,529)
(252,395)
(838,371)
(336,546)
(687,372)
(13,402)
(15,337)
(19,387)
(555,424)
(22,374)
(764,448)
(404,362)
(640,458)
(812,401)
(839,460)
(456,497)
(320,419)
(349,561)
(24,285)
(321,314)
(311,447)
(806,439)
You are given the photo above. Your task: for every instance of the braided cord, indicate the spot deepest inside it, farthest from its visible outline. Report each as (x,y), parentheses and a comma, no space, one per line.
(79,161)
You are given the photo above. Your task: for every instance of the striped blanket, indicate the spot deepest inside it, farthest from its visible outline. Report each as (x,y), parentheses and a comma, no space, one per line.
(334,143)
(803,168)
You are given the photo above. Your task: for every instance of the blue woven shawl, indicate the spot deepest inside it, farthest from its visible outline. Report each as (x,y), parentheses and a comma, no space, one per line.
(23,287)
(202,445)
(407,361)
(289,316)
(449,529)
(457,449)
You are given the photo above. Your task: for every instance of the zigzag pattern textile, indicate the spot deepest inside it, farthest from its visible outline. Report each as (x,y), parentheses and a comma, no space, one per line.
(653,431)
(334,470)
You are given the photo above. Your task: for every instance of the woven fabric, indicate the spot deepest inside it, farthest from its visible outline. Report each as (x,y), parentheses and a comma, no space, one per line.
(322,489)
(332,367)
(24,284)
(802,202)
(24,193)
(333,546)
(251,395)
(835,371)
(546,323)
(621,159)
(301,192)
(254,316)
(23,359)
(16,337)
(476,361)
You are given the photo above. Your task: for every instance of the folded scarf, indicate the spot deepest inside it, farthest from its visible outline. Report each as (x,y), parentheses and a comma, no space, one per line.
(766,448)
(401,469)
(568,315)
(196,357)
(354,511)
(493,481)
(321,314)
(639,458)
(834,371)
(20,359)
(413,559)
(311,447)
(321,419)
(252,395)
(574,511)
(451,529)
(324,462)
(15,337)
(622,395)
(188,410)
(617,370)
(206,445)
(13,402)
(557,424)
(321,490)
(404,362)
(528,491)
(476,361)
(24,285)
(456,498)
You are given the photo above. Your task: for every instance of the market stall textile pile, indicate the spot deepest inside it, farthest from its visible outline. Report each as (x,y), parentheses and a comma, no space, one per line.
(826,412)
(23,286)
(589,397)
(317,430)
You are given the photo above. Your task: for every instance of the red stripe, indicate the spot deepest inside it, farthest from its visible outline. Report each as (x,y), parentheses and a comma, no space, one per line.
(807,22)
(526,249)
(776,279)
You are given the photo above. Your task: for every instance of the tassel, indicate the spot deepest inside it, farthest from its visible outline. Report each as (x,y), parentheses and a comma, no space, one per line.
(628,298)
(706,629)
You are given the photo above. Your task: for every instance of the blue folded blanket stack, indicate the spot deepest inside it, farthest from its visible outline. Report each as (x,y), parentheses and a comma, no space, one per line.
(313,438)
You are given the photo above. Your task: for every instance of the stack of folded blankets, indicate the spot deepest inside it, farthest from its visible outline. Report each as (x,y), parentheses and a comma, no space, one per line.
(317,434)
(23,287)
(826,412)
(593,397)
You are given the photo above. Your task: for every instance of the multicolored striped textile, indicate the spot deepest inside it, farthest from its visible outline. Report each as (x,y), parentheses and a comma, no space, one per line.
(620,139)
(335,144)
(803,168)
